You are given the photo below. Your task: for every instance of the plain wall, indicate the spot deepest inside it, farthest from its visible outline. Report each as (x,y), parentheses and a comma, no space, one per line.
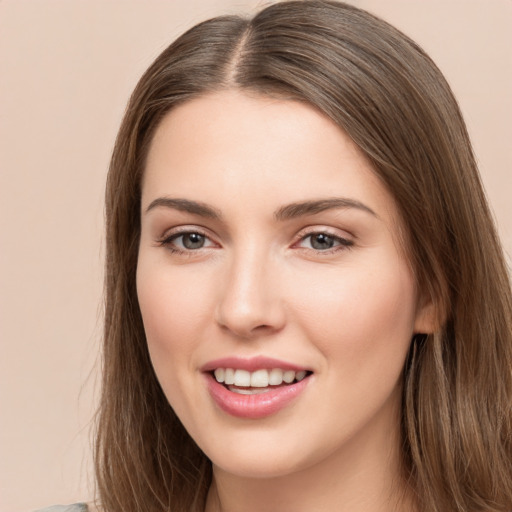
(66,71)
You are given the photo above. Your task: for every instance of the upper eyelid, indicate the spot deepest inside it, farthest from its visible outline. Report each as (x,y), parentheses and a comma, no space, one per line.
(332,231)
(183,230)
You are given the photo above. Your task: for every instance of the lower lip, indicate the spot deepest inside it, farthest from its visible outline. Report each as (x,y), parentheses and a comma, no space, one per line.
(254,406)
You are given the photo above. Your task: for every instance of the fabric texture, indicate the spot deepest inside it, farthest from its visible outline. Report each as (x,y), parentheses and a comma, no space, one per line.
(76,507)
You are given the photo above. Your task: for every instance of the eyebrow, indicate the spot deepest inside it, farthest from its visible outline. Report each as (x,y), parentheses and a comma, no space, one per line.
(185,205)
(300,209)
(287,212)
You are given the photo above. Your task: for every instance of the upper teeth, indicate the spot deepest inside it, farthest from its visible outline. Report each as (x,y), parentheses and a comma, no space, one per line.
(257,379)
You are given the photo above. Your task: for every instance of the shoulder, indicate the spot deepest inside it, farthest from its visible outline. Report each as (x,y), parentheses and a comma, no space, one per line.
(76,507)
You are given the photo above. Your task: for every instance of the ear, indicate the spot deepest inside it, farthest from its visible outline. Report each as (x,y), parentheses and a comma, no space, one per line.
(428,316)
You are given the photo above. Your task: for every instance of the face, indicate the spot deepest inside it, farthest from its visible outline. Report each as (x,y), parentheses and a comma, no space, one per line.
(277,303)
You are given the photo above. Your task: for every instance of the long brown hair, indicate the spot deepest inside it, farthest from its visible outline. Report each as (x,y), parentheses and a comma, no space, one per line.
(391,99)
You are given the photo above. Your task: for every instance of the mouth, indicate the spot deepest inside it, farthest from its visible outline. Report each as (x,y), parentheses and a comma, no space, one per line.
(256,382)
(255,388)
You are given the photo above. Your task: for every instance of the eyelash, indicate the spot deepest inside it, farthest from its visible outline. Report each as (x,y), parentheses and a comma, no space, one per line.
(343,243)
(167,241)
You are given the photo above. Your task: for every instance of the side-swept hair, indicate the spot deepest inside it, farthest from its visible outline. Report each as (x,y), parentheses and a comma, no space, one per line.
(391,99)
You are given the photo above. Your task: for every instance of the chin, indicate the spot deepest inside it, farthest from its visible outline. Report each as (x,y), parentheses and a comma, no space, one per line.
(257,468)
(257,456)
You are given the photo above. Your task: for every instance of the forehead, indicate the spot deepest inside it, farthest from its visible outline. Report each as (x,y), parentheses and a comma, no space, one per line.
(261,150)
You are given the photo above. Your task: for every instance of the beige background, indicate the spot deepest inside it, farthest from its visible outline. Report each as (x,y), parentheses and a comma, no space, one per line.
(66,70)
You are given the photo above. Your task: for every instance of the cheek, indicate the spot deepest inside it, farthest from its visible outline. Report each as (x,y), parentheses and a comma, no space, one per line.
(174,311)
(361,320)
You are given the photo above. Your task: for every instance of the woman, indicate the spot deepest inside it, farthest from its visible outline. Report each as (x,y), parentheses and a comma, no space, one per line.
(307,306)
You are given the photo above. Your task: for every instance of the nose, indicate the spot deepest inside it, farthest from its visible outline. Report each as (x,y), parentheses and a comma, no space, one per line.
(250,303)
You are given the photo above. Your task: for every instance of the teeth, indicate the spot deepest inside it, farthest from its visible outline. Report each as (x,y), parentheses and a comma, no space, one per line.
(220,374)
(242,378)
(248,391)
(276,377)
(229,376)
(289,376)
(300,375)
(258,379)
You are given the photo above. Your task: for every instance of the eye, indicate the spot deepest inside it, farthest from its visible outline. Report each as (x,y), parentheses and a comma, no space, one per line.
(187,241)
(190,240)
(322,241)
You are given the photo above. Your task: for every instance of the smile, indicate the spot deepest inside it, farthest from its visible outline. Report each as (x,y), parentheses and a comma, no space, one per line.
(259,381)
(254,388)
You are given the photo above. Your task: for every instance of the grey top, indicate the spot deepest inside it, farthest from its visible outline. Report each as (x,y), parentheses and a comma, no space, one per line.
(76,507)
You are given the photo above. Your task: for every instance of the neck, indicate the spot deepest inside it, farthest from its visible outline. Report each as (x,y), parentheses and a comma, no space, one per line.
(363,476)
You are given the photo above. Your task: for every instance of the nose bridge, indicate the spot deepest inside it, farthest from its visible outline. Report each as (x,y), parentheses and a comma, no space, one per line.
(250,301)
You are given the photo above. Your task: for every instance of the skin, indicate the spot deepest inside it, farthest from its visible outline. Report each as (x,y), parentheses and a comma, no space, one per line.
(259,287)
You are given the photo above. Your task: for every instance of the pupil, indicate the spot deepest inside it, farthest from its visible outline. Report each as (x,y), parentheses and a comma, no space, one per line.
(193,241)
(322,241)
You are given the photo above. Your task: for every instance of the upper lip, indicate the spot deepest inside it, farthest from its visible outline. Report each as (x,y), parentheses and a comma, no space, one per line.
(251,364)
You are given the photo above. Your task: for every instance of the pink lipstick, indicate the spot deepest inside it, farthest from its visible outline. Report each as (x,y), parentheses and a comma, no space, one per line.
(256,387)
